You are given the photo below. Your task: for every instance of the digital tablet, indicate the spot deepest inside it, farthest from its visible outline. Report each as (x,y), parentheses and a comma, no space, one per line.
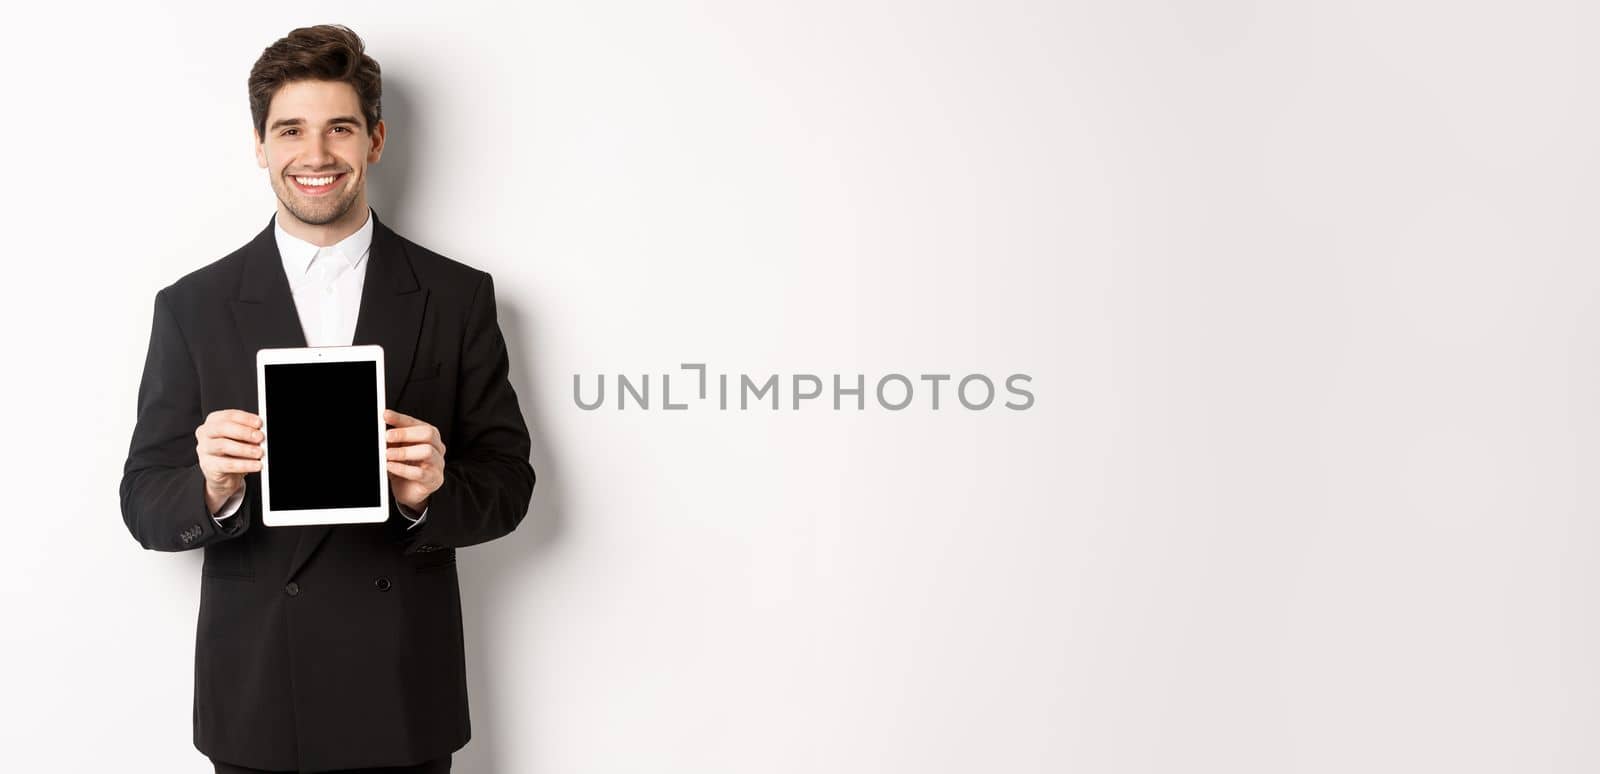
(324,456)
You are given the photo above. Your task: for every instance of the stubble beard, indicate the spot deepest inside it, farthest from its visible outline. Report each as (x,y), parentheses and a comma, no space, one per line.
(316,214)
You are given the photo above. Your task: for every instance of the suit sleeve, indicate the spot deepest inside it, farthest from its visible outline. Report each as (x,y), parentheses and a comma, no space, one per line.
(163,489)
(488,481)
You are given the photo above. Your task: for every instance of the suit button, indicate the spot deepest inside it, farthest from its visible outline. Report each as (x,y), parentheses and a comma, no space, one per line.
(382,584)
(292,589)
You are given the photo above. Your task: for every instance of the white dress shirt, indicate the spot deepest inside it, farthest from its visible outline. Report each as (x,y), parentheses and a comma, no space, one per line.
(326,283)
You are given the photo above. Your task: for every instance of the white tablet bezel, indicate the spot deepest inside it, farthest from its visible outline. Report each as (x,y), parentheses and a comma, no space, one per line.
(315,516)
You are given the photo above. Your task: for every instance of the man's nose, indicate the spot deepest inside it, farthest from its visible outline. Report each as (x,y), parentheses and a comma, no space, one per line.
(317,155)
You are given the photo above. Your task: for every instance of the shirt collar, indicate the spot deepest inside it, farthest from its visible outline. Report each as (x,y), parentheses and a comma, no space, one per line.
(298,253)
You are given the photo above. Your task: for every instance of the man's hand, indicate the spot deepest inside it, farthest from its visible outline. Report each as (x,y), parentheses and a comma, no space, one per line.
(229,446)
(416,459)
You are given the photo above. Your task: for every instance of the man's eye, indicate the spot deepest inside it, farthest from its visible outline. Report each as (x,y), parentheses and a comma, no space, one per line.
(341,129)
(288,132)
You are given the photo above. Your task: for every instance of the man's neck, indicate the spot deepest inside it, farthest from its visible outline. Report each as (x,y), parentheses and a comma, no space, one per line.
(327,233)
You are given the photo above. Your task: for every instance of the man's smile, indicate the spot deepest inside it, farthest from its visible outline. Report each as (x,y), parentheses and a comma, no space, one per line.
(315,185)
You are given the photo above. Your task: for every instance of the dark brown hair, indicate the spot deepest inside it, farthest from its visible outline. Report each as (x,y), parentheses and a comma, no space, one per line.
(326,52)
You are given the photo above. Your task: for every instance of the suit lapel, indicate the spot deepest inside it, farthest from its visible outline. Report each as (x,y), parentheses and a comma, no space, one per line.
(390,316)
(264,310)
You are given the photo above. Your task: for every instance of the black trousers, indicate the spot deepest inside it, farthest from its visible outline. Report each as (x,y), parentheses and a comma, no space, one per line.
(436,766)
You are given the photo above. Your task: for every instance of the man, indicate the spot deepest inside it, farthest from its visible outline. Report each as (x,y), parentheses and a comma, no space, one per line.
(333,647)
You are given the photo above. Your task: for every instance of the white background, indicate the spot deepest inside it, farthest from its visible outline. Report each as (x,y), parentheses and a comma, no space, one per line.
(1306,290)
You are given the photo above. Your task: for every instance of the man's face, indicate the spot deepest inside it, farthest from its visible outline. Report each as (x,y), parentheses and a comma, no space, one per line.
(317,149)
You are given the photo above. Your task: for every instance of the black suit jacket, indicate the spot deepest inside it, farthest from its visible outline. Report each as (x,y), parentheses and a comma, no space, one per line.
(329,647)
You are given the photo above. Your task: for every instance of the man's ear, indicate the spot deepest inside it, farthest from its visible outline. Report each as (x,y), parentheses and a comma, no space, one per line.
(377,143)
(261,150)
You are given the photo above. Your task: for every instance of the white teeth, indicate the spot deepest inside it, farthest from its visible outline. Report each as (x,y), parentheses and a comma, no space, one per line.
(314,181)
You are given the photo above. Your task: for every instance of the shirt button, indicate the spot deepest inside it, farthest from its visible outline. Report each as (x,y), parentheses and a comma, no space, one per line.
(382,584)
(292,589)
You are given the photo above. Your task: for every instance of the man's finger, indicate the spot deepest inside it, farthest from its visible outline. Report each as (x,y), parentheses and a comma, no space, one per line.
(234,430)
(418,452)
(236,415)
(412,434)
(223,447)
(400,420)
(423,434)
(405,471)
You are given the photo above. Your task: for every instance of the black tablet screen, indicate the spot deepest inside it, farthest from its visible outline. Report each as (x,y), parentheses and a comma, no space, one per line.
(322,435)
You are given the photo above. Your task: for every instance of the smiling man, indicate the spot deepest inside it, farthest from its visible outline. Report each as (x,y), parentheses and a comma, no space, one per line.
(329,648)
